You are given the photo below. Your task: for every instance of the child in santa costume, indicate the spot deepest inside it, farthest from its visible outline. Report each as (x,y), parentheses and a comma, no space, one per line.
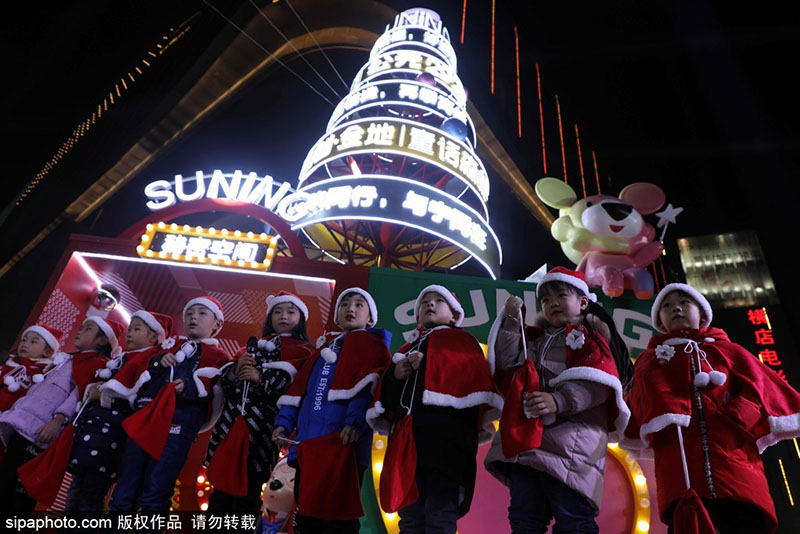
(326,404)
(33,355)
(99,438)
(172,398)
(37,419)
(241,453)
(441,377)
(563,397)
(707,408)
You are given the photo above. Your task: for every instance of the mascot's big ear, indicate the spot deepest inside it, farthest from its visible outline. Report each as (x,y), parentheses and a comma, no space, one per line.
(555,193)
(644,197)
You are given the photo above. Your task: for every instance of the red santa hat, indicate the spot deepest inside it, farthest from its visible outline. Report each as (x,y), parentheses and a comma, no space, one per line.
(285,296)
(157,322)
(698,297)
(574,278)
(112,329)
(209,302)
(448,295)
(51,335)
(373,309)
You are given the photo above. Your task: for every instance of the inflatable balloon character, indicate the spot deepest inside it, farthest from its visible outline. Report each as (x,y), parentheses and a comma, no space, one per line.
(278,499)
(606,236)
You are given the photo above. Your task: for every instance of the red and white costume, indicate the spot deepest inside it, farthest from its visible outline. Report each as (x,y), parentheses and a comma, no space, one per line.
(750,410)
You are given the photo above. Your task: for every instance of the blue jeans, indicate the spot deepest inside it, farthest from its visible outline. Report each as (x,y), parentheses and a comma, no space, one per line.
(88,490)
(436,510)
(147,482)
(537,498)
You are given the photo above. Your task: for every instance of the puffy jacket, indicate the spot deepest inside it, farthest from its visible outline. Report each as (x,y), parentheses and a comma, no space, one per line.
(56,394)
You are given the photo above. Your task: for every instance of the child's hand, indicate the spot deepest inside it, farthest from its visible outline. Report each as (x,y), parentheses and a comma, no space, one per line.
(94,394)
(249,373)
(513,306)
(415,358)
(245,360)
(349,435)
(402,369)
(51,429)
(540,403)
(169,360)
(179,386)
(279,432)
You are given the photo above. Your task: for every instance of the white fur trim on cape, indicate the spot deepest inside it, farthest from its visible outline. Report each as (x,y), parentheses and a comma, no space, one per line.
(49,338)
(274,300)
(204,372)
(283,366)
(476,398)
(448,296)
(601,377)
(373,309)
(491,357)
(115,388)
(689,290)
(342,394)
(289,400)
(781,427)
(661,422)
(574,281)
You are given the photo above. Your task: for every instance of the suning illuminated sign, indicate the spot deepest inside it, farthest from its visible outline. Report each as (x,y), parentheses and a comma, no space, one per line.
(250,188)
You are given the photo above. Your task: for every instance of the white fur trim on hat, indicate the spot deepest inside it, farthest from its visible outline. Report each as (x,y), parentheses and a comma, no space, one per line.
(151,322)
(448,296)
(210,304)
(373,309)
(274,300)
(689,290)
(105,328)
(49,338)
(574,281)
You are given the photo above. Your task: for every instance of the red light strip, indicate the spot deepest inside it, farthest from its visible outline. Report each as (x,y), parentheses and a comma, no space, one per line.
(596,174)
(541,117)
(492,75)
(519,97)
(561,133)
(463,19)
(580,159)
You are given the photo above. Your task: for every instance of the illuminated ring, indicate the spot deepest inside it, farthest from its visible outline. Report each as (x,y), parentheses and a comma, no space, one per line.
(385,43)
(481,188)
(452,82)
(489,256)
(342,113)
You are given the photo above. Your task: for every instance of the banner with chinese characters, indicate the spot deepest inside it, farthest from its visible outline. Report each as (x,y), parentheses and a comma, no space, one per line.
(173,242)
(396,291)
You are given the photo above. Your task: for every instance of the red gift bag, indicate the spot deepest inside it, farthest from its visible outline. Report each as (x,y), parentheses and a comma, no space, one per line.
(691,517)
(42,475)
(398,485)
(227,471)
(149,427)
(329,486)
(517,432)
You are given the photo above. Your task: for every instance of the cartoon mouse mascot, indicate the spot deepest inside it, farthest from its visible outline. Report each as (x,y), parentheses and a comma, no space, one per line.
(607,236)
(278,500)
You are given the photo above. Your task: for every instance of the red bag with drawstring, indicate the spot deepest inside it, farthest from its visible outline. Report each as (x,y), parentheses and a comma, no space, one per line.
(42,475)
(517,432)
(149,427)
(691,517)
(227,471)
(398,485)
(329,486)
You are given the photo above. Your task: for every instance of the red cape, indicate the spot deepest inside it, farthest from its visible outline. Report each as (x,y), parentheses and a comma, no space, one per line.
(362,357)
(753,409)
(456,375)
